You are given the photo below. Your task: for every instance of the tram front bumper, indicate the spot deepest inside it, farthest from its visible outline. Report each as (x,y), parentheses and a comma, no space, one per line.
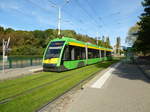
(53,68)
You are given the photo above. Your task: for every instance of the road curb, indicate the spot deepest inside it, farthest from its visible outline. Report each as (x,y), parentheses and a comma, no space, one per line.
(99,74)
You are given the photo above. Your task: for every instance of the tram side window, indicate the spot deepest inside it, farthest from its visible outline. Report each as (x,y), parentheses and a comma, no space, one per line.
(79,53)
(74,53)
(108,53)
(93,53)
(90,53)
(102,53)
(96,53)
(83,55)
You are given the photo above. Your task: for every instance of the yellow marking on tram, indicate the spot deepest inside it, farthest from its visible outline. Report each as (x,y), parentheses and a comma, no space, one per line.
(51,61)
(76,44)
(93,47)
(82,45)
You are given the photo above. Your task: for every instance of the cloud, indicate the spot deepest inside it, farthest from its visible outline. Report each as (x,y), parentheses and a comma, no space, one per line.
(7,6)
(6,25)
(26,10)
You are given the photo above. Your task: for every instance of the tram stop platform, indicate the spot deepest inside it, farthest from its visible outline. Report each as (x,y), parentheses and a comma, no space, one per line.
(122,88)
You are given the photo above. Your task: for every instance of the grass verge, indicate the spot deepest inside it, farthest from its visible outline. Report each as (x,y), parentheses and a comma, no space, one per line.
(44,87)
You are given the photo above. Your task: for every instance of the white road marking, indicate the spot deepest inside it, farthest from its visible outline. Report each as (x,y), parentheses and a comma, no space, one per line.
(37,69)
(100,82)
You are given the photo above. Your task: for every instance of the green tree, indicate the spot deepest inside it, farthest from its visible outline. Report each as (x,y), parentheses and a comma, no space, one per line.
(34,42)
(1,29)
(108,42)
(1,38)
(142,44)
(118,45)
(132,34)
(9,30)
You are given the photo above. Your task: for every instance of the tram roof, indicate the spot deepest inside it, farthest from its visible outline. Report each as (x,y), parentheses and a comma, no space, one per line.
(80,43)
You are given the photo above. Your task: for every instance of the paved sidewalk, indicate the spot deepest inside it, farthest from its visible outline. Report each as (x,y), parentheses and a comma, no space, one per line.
(126,90)
(17,72)
(144,65)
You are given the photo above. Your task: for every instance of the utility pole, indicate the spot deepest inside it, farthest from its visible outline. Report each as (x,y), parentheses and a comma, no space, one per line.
(59,13)
(97,39)
(59,20)
(5,47)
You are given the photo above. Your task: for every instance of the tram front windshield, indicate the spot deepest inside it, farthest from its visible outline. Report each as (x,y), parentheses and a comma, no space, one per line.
(54,49)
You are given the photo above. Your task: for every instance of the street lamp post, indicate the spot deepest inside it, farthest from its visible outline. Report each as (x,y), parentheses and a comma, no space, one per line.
(59,20)
(59,13)
(97,39)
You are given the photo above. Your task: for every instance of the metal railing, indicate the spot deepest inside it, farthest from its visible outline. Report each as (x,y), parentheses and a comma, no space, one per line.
(20,62)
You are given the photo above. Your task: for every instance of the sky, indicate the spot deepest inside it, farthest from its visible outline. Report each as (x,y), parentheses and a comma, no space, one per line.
(111,18)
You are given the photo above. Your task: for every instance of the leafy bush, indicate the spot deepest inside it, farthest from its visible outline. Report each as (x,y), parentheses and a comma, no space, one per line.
(27,50)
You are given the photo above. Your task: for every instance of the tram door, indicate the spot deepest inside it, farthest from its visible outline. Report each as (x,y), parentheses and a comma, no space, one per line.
(69,53)
(72,54)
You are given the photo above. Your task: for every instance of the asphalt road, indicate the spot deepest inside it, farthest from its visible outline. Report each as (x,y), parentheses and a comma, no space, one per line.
(122,89)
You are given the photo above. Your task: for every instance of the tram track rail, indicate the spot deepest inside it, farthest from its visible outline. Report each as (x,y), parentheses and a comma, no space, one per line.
(5,100)
(4,87)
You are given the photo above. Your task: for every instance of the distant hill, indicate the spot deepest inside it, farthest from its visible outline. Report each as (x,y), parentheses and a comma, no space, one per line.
(34,42)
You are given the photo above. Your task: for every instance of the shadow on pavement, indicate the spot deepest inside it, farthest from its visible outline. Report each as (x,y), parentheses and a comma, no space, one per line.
(130,71)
